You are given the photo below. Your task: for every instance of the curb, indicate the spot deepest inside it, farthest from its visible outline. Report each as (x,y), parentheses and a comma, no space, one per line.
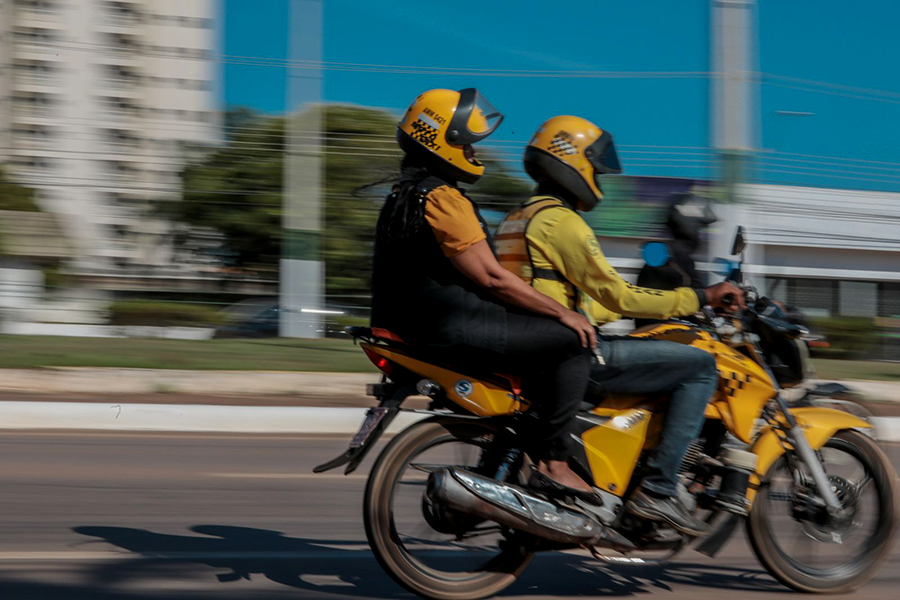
(188,418)
(227,419)
(78,380)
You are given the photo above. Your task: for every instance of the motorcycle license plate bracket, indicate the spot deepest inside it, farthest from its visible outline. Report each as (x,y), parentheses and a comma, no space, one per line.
(377,420)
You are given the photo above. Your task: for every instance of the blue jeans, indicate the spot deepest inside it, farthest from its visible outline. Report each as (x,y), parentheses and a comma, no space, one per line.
(640,366)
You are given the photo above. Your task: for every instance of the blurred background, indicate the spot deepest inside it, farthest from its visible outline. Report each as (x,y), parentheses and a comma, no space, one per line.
(189,170)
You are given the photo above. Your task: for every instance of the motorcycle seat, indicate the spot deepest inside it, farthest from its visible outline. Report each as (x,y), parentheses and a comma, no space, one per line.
(374,333)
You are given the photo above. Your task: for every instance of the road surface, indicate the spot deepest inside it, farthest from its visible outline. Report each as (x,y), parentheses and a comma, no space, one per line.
(141,517)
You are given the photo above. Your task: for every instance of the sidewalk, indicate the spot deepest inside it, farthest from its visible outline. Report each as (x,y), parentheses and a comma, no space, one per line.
(235,384)
(75,380)
(240,402)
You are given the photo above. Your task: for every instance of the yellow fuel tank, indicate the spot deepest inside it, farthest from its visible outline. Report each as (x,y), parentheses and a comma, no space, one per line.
(744,386)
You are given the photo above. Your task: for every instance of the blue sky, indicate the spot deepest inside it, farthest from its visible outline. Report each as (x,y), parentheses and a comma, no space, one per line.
(823,42)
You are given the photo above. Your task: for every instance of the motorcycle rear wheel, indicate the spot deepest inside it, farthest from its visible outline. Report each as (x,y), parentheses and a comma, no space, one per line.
(857,569)
(488,579)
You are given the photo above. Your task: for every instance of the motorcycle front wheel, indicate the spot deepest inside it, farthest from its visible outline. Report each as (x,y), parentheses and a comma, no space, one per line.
(817,555)
(431,553)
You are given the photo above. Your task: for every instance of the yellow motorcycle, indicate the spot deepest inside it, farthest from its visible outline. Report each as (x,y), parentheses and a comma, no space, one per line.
(448,515)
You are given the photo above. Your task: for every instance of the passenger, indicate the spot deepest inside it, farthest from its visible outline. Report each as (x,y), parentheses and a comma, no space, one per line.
(437,283)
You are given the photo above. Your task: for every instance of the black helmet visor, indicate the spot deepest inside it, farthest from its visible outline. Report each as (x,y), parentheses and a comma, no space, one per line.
(475,119)
(603,156)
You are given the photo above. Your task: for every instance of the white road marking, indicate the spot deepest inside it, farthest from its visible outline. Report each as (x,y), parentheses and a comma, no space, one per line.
(54,556)
(284,476)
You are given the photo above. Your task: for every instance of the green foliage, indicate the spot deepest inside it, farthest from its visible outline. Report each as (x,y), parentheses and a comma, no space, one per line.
(360,150)
(236,189)
(14,196)
(849,337)
(163,314)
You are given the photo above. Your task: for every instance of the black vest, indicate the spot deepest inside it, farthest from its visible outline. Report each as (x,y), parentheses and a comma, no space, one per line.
(418,294)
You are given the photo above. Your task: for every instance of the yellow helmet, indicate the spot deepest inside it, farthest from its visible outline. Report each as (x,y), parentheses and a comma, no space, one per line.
(440,126)
(569,153)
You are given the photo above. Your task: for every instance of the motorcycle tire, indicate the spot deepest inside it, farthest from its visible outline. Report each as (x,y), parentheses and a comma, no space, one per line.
(860,569)
(424,581)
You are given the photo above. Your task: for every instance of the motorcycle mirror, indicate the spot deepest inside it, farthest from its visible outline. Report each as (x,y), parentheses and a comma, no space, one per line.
(656,254)
(739,243)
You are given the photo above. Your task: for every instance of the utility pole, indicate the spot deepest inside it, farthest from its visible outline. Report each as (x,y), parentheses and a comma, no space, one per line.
(735,123)
(734,101)
(302,271)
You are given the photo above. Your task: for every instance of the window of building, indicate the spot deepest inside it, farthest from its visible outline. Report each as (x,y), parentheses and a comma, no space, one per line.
(38,5)
(35,35)
(31,162)
(890,300)
(858,298)
(813,296)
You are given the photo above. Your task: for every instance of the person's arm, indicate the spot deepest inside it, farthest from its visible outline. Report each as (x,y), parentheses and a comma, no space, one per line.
(480,265)
(576,253)
(459,233)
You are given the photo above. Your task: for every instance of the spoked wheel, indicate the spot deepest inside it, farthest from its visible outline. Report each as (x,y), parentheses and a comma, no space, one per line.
(425,549)
(809,552)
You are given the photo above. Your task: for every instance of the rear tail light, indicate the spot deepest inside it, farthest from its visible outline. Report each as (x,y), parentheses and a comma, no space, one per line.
(380,362)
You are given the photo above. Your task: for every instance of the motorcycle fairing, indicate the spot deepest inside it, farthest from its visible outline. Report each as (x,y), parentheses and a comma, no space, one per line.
(477,395)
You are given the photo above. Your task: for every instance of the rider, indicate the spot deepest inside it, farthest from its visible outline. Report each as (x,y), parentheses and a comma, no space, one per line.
(437,283)
(550,246)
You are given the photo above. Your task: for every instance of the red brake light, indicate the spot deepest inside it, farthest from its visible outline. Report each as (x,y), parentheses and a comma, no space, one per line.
(380,362)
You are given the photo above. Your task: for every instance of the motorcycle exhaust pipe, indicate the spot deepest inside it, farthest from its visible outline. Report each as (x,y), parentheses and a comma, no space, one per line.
(518,509)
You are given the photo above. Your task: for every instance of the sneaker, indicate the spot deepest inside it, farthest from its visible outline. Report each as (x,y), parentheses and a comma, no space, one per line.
(669,510)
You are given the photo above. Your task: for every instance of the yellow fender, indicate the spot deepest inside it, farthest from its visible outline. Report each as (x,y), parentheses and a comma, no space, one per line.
(818,423)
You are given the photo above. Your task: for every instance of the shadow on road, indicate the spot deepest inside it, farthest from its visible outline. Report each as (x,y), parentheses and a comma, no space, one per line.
(332,569)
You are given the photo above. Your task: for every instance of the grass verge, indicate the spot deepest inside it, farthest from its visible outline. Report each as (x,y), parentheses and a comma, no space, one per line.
(266,355)
(857,369)
(224,355)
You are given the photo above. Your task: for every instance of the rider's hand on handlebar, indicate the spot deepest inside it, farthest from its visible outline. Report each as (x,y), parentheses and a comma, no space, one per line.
(580,325)
(725,295)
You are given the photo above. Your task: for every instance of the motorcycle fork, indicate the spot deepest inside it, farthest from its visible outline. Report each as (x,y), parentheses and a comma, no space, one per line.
(808,456)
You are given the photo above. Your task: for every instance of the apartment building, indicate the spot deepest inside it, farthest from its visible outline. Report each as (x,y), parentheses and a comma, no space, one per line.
(97,101)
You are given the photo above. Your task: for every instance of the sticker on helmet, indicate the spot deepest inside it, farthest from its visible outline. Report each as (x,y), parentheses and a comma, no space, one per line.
(428,120)
(437,118)
(425,131)
(561,144)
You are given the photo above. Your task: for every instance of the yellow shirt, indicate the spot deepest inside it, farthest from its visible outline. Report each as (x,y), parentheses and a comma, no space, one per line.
(560,239)
(453,220)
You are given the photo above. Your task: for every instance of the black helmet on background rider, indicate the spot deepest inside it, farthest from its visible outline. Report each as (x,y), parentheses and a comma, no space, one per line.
(439,128)
(688,216)
(567,155)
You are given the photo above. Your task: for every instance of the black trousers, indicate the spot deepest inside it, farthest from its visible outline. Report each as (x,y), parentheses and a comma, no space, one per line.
(554,369)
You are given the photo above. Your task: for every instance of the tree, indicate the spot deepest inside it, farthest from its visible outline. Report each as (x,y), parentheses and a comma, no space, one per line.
(14,196)
(237,190)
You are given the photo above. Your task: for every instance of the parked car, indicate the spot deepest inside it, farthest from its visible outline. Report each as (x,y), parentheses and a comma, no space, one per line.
(257,317)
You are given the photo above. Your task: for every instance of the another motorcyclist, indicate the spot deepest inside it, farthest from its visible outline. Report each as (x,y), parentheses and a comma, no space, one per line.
(437,283)
(685,230)
(550,246)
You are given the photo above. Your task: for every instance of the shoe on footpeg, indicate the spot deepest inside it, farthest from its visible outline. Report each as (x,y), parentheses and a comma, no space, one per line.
(670,510)
(547,486)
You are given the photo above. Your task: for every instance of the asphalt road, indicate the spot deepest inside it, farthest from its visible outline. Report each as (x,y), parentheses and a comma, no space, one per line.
(143,517)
